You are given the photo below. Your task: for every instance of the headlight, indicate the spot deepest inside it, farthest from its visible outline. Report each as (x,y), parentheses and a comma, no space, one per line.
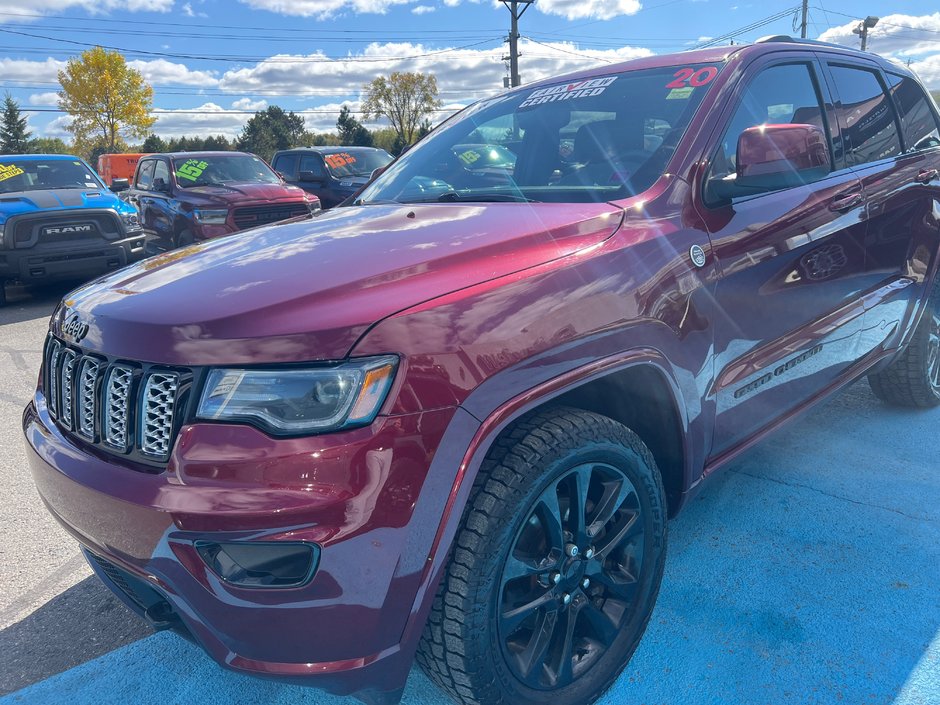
(211,216)
(298,401)
(131,221)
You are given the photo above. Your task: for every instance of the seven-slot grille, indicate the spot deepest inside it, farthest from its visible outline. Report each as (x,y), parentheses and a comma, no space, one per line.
(124,407)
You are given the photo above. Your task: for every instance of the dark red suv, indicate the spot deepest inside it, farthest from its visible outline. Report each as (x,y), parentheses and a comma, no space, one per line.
(453,417)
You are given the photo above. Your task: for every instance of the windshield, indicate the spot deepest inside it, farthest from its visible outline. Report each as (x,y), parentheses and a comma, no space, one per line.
(38,174)
(585,141)
(218,170)
(344,165)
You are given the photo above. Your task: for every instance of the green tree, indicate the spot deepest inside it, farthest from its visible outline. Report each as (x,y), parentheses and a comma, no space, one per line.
(14,137)
(47,145)
(106,98)
(270,130)
(217,143)
(352,132)
(153,144)
(385,138)
(404,99)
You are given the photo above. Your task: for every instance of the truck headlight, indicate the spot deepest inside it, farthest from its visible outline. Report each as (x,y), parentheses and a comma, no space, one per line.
(299,401)
(211,216)
(131,221)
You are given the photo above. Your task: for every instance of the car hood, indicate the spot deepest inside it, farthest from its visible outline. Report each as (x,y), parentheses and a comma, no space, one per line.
(59,199)
(238,193)
(309,290)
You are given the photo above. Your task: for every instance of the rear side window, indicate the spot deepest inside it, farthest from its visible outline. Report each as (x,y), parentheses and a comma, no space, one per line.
(866,115)
(778,95)
(145,174)
(286,164)
(918,120)
(162,171)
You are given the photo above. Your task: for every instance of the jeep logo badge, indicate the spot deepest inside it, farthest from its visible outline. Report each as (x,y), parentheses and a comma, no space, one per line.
(63,229)
(74,328)
(697,254)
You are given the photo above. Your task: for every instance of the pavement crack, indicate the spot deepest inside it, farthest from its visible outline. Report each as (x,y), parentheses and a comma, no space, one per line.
(834,496)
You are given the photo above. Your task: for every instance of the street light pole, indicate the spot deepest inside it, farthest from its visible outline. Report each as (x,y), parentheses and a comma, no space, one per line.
(862,29)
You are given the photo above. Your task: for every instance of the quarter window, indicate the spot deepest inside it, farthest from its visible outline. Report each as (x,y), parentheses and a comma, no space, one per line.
(145,174)
(161,171)
(866,115)
(286,164)
(918,120)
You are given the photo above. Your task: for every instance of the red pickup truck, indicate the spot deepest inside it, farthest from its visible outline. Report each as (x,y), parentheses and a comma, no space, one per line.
(185,197)
(452,417)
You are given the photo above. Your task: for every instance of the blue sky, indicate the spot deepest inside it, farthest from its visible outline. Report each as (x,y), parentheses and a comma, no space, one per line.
(212,62)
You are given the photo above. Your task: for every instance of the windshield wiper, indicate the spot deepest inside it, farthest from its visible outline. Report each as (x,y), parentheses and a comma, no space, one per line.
(454,197)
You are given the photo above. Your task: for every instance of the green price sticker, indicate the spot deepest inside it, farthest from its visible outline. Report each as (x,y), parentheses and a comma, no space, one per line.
(191,169)
(469,157)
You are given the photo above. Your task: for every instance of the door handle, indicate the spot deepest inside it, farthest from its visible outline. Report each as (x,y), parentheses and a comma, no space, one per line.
(925,176)
(844,203)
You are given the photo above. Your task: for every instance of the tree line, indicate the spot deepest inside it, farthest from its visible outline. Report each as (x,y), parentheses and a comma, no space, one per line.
(110,105)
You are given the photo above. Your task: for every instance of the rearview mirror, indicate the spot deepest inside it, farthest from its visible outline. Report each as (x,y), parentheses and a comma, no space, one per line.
(118,185)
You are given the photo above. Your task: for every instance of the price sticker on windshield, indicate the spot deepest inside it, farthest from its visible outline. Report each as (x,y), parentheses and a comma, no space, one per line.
(8,171)
(338,161)
(469,157)
(191,169)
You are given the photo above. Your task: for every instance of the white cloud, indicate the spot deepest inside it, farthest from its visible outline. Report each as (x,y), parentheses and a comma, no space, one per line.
(929,71)
(907,35)
(41,7)
(190,12)
(323,9)
(163,72)
(25,70)
(423,9)
(207,119)
(589,9)
(46,100)
(249,104)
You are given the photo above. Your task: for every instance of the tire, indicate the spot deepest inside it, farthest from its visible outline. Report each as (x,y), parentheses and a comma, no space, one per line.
(913,378)
(3,293)
(481,630)
(183,239)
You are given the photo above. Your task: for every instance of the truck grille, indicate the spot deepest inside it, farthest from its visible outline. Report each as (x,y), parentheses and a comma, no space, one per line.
(251,216)
(123,407)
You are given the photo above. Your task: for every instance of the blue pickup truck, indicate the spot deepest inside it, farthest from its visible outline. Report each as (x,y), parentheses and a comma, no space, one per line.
(58,221)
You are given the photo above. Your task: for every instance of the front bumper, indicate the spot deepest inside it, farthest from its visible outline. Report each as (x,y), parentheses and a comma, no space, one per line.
(67,261)
(361,495)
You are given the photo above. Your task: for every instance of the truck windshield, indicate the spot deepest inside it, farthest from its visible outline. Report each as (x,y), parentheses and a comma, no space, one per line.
(218,170)
(590,140)
(343,165)
(39,174)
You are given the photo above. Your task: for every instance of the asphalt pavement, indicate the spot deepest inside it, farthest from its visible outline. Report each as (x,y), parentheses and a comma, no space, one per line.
(808,572)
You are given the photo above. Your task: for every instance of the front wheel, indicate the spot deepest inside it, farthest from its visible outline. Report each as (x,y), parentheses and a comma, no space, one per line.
(555,569)
(913,378)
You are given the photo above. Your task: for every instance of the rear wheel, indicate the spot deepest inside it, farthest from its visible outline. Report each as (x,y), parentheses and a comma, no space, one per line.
(3,293)
(556,567)
(913,378)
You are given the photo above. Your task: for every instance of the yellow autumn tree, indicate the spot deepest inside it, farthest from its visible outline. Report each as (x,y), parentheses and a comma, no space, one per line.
(107,100)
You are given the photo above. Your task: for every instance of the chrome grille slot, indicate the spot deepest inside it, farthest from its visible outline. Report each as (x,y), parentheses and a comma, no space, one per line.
(66,385)
(156,413)
(52,378)
(87,400)
(117,406)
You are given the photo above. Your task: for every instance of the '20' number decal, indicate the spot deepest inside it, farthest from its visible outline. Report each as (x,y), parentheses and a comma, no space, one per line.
(690,77)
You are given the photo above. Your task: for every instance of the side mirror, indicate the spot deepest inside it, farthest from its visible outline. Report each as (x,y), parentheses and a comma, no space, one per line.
(376,173)
(118,185)
(159,184)
(777,156)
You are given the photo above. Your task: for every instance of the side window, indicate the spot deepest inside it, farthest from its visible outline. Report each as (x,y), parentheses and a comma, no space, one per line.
(286,164)
(918,120)
(162,171)
(312,164)
(779,95)
(145,174)
(866,115)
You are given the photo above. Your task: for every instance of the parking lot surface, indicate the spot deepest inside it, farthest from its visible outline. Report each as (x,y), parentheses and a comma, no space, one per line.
(806,572)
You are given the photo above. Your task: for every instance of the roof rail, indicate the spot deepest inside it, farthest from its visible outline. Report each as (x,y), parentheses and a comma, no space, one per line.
(797,40)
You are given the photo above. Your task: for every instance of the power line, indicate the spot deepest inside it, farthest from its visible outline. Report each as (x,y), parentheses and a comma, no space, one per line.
(747,28)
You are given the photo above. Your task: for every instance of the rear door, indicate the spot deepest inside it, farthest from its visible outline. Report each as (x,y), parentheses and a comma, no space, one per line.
(892,142)
(790,261)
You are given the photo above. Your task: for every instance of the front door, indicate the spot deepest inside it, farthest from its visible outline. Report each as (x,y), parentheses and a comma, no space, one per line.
(790,262)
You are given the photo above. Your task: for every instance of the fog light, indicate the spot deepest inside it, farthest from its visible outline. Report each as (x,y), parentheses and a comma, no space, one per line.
(261,564)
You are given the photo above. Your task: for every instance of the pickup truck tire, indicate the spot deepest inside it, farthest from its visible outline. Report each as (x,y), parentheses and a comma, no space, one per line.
(3,293)
(184,238)
(555,568)
(913,378)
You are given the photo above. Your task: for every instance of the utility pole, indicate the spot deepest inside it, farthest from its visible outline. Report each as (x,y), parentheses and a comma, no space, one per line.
(803,23)
(516,9)
(862,29)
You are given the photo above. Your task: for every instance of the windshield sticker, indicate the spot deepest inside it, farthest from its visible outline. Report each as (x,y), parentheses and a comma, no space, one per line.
(688,76)
(469,157)
(569,91)
(8,171)
(338,161)
(191,169)
(679,93)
